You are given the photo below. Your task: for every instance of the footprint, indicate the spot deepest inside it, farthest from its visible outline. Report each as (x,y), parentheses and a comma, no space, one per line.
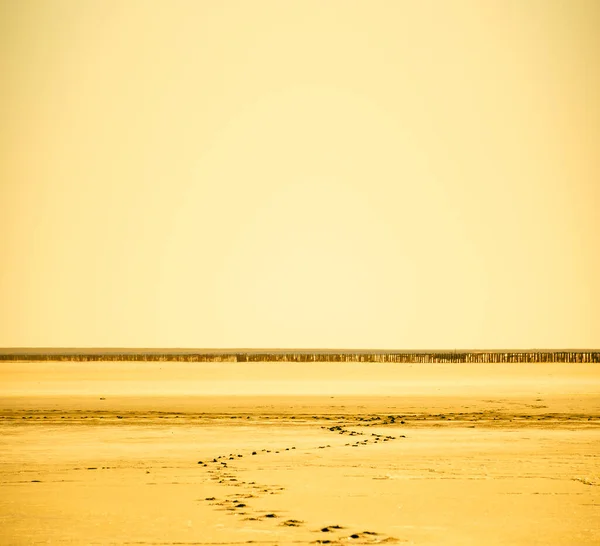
(330,528)
(292,523)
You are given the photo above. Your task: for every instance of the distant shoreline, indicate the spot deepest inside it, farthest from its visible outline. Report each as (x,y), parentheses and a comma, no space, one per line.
(299,355)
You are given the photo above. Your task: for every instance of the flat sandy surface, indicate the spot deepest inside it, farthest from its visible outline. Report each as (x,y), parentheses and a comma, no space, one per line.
(514,461)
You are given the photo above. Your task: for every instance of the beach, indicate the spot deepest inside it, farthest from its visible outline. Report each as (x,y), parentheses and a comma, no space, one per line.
(282,273)
(442,455)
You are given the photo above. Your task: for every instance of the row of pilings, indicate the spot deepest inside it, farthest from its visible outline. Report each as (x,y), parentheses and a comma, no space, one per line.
(448,357)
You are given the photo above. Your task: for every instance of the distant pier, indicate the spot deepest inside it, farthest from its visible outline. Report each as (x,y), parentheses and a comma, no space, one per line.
(300,355)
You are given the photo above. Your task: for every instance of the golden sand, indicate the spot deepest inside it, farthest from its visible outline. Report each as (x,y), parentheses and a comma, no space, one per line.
(520,466)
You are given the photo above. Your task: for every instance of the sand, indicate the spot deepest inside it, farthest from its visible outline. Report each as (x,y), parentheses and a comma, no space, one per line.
(518,466)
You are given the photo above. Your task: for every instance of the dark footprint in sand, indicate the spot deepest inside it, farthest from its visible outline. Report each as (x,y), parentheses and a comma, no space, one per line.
(292,523)
(371,535)
(330,528)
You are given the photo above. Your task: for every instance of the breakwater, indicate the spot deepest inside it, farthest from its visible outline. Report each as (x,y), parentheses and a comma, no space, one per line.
(300,355)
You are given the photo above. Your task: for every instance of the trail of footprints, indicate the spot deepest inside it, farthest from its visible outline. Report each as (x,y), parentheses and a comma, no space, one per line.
(375,437)
(220,470)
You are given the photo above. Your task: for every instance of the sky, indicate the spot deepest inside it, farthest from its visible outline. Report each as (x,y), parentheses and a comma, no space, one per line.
(386,174)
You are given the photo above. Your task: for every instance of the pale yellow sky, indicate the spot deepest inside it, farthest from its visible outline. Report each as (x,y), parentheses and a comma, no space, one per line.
(403,174)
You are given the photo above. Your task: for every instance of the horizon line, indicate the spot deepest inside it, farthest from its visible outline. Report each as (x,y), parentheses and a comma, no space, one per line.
(250,350)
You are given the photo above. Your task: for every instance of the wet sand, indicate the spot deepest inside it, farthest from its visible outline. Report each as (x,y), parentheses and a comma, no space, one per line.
(444,467)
